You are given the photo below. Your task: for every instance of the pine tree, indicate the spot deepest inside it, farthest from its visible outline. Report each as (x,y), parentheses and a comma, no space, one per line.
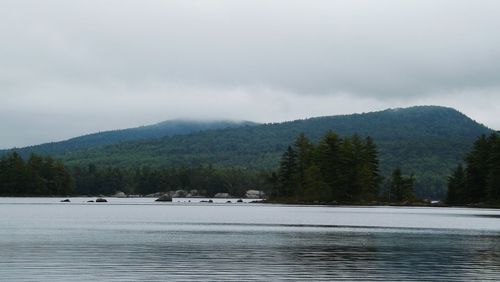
(347,187)
(336,169)
(315,189)
(288,174)
(37,184)
(37,176)
(305,154)
(477,169)
(373,178)
(493,179)
(456,187)
(401,187)
(329,161)
(16,178)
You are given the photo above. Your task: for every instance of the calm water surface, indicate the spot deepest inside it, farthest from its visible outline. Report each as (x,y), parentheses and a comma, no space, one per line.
(139,240)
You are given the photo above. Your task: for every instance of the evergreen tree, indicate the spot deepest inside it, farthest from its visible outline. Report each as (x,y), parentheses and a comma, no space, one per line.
(347,188)
(14,176)
(493,179)
(328,157)
(456,187)
(371,172)
(401,187)
(288,173)
(305,154)
(481,180)
(336,169)
(37,176)
(477,169)
(314,188)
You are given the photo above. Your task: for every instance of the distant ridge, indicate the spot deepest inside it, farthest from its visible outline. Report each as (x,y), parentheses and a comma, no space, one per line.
(425,140)
(162,129)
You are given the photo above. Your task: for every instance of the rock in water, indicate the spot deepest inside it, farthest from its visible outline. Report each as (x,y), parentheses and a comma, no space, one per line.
(239,201)
(164,198)
(65,201)
(101,200)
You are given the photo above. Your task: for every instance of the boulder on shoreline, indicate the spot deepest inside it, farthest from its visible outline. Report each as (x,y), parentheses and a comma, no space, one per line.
(120,194)
(254,194)
(164,198)
(154,195)
(222,195)
(179,194)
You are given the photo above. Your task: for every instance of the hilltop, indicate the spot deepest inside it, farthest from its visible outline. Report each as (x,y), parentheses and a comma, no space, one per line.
(425,140)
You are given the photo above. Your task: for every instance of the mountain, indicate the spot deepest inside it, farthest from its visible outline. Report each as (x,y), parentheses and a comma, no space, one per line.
(427,141)
(162,129)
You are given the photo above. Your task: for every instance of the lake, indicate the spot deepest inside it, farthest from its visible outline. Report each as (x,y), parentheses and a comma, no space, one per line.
(42,239)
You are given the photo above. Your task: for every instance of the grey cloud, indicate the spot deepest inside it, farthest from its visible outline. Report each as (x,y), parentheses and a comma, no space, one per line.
(362,47)
(131,62)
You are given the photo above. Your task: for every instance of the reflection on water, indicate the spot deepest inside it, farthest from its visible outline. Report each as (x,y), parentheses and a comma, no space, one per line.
(257,242)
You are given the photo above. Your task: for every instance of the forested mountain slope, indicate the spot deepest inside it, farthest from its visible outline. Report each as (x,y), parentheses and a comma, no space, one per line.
(426,140)
(162,129)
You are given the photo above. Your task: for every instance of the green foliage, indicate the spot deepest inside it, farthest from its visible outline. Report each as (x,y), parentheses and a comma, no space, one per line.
(493,178)
(456,187)
(428,141)
(401,187)
(36,176)
(336,169)
(480,180)
(163,129)
(288,174)
(208,180)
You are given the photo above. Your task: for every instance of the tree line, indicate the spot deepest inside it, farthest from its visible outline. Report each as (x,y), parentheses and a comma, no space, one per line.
(207,180)
(337,169)
(426,141)
(36,176)
(478,181)
(44,176)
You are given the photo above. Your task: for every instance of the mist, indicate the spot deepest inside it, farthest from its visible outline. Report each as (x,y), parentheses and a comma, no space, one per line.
(70,68)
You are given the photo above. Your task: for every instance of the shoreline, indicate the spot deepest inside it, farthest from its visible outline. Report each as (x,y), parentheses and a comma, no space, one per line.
(289,203)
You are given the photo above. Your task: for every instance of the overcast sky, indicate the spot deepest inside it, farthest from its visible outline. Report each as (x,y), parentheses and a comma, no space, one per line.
(81,66)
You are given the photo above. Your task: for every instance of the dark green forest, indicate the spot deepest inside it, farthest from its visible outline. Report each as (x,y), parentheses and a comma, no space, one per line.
(162,129)
(479,180)
(37,176)
(341,170)
(44,176)
(333,170)
(336,170)
(426,141)
(207,180)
